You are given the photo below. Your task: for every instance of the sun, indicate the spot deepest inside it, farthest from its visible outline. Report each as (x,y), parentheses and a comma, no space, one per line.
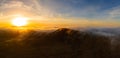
(20,21)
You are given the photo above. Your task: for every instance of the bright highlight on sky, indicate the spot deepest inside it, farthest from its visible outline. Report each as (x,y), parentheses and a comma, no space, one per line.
(19,21)
(61,12)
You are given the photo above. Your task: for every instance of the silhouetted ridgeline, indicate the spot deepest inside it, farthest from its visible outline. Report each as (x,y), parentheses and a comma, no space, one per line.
(62,43)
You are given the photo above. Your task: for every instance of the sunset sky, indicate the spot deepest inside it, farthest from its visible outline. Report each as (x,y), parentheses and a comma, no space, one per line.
(74,13)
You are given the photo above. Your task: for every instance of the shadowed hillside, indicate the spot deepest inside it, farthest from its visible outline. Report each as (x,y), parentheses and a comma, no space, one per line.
(62,43)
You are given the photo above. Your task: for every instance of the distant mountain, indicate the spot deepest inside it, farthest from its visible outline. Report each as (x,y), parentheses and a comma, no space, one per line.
(61,43)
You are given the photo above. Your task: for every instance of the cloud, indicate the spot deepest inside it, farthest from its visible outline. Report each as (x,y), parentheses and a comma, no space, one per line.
(58,8)
(33,7)
(115,12)
(11,6)
(51,8)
